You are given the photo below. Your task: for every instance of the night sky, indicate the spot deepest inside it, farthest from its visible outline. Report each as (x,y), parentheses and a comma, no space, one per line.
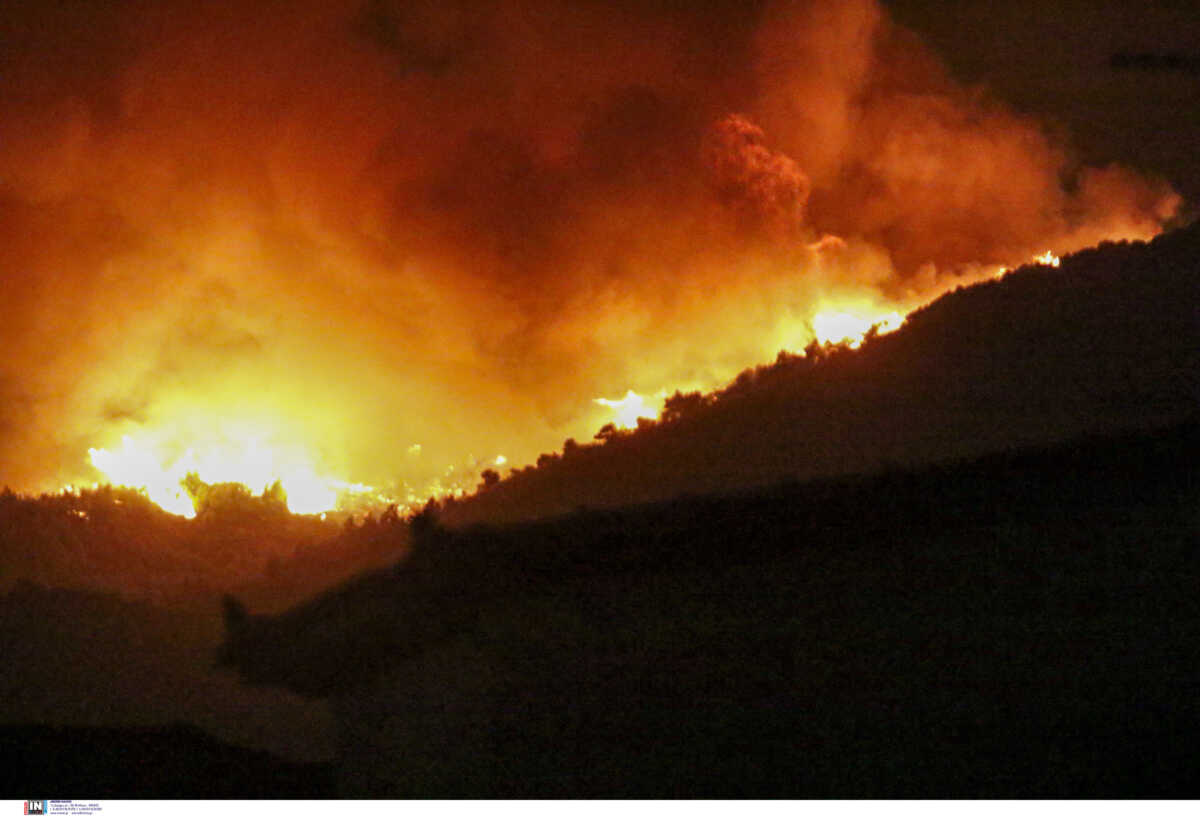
(1055,61)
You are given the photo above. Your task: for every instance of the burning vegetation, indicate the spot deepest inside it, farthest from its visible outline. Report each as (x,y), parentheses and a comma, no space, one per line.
(298,292)
(356,250)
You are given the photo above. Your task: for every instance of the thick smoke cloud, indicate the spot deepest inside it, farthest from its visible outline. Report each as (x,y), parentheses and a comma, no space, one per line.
(383,224)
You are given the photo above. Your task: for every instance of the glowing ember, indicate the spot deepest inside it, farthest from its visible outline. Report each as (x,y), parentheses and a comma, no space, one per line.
(852,326)
(252,461)
(628,409)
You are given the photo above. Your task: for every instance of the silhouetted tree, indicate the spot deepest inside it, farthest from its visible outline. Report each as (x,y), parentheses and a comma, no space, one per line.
(275,494)
(679,405)
(424,525)
(390,517)
(608,433)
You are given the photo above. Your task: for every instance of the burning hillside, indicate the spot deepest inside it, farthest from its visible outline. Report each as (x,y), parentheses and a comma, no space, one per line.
(369,249)
(1043,354)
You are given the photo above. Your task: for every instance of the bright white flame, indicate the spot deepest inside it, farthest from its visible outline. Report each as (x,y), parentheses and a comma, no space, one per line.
(628,409)
(851,326)
(250,460)
(1047,258)
(136,466)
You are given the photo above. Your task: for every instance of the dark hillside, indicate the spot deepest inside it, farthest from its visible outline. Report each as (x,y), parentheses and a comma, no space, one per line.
(115,540)
(1021,625)
(160,762)
(88,659)
(1109,341)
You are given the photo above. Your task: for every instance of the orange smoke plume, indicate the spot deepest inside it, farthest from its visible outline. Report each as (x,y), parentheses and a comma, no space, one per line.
(398,238)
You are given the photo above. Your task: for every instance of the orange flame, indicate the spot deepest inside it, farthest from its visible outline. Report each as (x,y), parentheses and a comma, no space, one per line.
(629,409)
(253,461)
(1047,258)
(851,327)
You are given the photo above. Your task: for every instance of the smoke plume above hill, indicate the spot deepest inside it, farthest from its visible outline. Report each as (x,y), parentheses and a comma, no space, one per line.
(418,234)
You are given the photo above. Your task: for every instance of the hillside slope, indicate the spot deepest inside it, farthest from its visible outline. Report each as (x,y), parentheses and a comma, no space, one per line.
(1110,340)
(176,761)
(78,659)
(1017,626)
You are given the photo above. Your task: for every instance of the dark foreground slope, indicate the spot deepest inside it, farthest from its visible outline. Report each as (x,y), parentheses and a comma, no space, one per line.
(159,762)
(92,660)
(1109,341)
(1019,625)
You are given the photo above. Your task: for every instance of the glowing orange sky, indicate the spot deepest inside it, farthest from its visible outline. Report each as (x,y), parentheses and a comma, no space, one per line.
(416,236)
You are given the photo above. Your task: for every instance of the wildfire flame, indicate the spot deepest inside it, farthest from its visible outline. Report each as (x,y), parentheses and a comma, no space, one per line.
(850,327)
(355,247)
(156,464)
(254,461)
(628,409)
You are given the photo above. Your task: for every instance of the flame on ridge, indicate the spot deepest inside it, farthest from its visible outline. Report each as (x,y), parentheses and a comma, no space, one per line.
(257,460)
(252,460)
(629,409)
(851,326)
